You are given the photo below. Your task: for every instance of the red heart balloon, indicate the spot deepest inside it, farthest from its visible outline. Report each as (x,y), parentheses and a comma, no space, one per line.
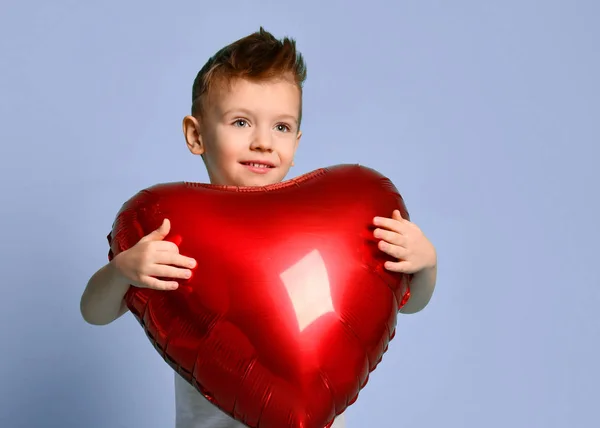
(289,308)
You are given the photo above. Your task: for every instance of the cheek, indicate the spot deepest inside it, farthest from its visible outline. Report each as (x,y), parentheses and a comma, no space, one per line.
(287,149)
(226,146)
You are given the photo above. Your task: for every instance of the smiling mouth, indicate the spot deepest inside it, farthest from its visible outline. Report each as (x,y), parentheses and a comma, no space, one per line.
(257,165)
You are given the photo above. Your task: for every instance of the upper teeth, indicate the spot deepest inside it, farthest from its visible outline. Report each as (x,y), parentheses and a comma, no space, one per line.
(259,165)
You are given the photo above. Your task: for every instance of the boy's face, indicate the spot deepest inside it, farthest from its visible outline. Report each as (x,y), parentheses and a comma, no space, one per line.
(248,132)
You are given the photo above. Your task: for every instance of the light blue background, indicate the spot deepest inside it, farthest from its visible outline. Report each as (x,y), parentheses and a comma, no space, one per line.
(486,115)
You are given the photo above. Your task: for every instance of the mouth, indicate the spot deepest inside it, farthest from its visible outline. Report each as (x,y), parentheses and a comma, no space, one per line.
(258,165)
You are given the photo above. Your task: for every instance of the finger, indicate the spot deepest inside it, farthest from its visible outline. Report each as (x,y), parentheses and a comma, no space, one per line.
(399,267)
(389,223)
(166,258)
(396,215)
(167,246)
(159,284)
(160,233)
(170,272)
(389,236)
(392,250)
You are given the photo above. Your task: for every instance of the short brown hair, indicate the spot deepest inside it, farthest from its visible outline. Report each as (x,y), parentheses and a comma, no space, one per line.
(259,56)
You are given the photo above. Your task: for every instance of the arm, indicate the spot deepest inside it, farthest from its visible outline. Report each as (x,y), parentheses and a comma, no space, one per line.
(416,255)
(140,266)
(102,300)
(421,290)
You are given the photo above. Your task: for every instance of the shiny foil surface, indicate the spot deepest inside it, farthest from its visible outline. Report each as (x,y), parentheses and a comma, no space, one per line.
(289,307)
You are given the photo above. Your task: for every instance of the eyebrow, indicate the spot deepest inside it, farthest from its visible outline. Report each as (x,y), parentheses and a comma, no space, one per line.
(249,113)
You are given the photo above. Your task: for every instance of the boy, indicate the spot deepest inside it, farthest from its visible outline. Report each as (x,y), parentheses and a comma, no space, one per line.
(245,124)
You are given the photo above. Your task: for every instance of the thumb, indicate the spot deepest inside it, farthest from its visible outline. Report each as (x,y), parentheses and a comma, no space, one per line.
(160,233)
(397,216)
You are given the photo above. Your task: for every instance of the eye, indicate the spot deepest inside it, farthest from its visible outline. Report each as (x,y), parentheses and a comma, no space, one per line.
(282,127)
(240,123)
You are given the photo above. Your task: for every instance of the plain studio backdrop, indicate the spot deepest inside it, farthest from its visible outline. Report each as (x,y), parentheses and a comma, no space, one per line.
(484,114)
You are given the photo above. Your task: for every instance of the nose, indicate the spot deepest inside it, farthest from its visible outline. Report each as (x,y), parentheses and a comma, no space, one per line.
(261,140)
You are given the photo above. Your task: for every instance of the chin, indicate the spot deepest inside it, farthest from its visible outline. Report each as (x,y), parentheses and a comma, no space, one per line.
(245,179)
(258,182)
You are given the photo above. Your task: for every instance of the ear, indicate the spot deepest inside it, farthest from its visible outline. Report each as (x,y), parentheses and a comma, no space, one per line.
(193,137)
(298,137)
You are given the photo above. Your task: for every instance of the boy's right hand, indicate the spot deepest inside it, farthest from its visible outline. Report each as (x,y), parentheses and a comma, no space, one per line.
(152,258)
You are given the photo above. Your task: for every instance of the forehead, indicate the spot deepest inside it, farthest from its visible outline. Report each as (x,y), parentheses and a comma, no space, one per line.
(275,96)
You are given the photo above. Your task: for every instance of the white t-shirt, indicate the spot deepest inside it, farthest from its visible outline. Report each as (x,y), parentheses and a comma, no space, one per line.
(192,410)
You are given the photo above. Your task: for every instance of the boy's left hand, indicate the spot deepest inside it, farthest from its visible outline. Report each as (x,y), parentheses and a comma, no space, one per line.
(404,241)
